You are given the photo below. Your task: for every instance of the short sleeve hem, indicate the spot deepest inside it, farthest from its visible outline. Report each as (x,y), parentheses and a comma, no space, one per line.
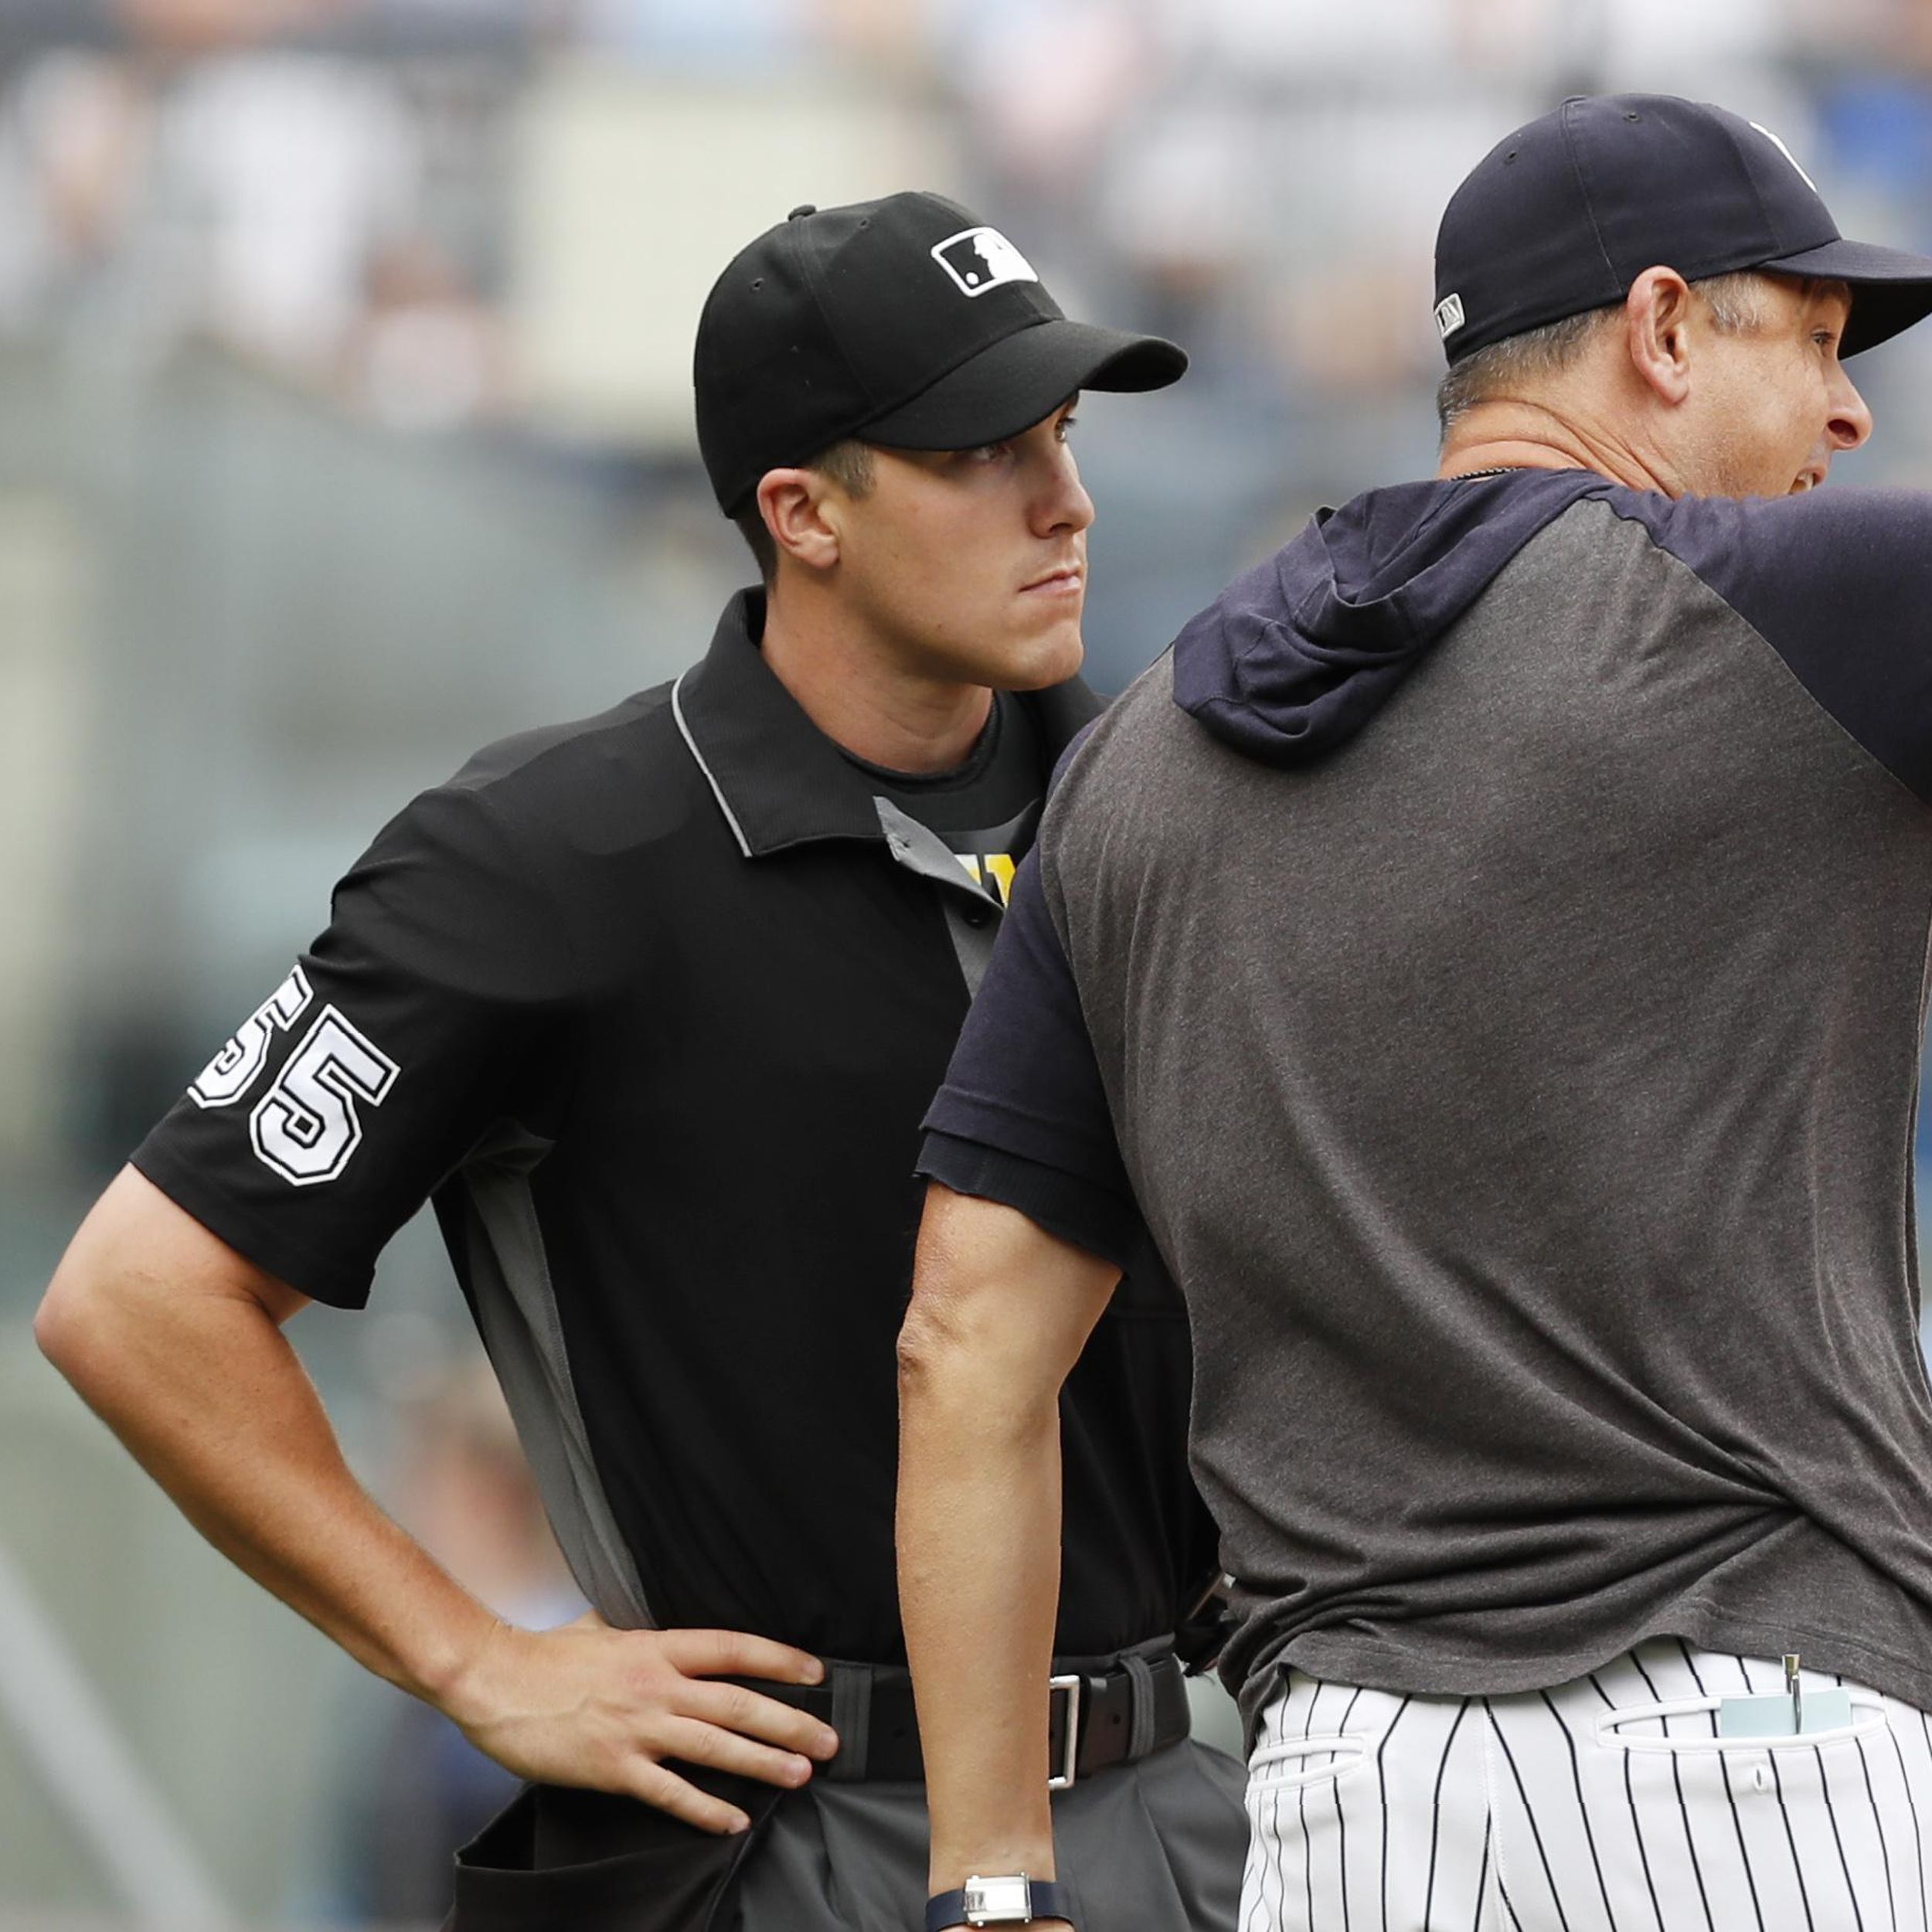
(1057,1144)
(255,1236)
(1067,1205)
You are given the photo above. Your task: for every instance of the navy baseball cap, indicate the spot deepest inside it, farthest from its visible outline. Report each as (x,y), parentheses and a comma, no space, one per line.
(906,321)
(1566,213)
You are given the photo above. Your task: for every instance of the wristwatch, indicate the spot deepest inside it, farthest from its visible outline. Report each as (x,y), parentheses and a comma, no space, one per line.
(1015,1900)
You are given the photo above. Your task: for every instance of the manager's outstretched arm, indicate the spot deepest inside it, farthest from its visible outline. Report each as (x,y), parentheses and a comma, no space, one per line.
(1000,1311)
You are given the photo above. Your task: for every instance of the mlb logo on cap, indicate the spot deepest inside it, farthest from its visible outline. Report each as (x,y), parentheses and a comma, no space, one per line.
(849,322)
(979,259)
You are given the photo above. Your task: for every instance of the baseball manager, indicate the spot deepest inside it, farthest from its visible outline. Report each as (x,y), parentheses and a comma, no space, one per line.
(1491,950)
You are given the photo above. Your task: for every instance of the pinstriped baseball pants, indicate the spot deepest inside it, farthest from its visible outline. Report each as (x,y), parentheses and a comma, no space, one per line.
(1608,1804)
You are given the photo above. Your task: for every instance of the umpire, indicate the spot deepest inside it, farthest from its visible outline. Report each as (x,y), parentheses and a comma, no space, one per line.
(1491,951)
(649,1004)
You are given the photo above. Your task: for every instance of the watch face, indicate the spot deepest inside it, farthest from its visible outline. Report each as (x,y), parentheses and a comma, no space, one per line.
(1002,1901)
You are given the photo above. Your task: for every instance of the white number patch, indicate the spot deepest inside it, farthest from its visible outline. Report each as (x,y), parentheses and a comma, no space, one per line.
(235,1068)
(307,1124)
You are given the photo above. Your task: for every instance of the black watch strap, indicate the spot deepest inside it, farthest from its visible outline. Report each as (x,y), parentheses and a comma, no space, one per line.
(1045,1900)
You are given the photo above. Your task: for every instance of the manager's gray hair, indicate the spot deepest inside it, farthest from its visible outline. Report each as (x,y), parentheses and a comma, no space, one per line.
(1737,305)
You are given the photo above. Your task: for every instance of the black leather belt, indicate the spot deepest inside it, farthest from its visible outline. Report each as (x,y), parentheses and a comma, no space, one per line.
(1101,1711)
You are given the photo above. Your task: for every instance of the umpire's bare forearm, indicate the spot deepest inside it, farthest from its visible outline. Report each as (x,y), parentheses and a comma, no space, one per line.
(176,1342)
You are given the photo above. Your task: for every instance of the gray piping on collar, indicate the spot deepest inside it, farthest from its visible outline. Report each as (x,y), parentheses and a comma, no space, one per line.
(710,776)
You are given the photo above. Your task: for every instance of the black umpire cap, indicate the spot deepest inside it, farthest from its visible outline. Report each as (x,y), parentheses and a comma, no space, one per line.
(1566,213)
(906,321)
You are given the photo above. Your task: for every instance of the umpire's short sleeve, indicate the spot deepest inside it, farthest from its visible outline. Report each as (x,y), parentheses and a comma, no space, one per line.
(435,1005)
(1022,1117)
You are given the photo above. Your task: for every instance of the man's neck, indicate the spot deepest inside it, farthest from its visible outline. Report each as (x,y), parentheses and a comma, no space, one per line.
(864,697)
(1526,436)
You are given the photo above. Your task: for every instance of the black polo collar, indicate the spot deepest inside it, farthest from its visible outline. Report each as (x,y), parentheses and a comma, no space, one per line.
(779,780)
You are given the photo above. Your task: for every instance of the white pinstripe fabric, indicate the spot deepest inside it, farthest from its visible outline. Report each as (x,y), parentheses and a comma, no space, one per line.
(1604,1805)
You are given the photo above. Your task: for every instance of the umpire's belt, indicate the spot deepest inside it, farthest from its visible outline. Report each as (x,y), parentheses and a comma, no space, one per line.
(1102,1710)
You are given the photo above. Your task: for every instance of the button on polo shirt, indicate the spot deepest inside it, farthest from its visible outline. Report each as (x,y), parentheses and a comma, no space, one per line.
(650,1004)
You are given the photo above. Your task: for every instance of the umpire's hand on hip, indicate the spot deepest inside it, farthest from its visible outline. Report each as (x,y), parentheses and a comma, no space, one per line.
(591,1705)
(176,1340)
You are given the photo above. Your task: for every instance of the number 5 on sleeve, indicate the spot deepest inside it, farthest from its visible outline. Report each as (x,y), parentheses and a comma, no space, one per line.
(307,1125)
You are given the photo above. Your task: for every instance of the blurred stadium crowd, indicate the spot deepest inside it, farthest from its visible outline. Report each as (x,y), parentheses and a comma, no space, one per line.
(341,189)
(344,426)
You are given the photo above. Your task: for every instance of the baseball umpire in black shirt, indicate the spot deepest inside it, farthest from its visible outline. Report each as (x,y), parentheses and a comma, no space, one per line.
(650,1005)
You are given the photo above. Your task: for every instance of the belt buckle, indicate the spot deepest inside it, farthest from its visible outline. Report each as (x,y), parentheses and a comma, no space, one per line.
(1063,1779)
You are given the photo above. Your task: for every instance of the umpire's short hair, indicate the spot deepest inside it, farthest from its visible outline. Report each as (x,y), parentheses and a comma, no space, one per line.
(1736,304)
(849,464)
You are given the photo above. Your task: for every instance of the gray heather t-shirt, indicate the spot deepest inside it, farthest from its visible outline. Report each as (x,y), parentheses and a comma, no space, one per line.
(1490,953)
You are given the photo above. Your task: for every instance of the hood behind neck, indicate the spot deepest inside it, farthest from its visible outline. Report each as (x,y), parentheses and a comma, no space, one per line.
(1298,655)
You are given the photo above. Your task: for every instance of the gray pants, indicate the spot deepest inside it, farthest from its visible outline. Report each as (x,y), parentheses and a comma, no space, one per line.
(1154,1846)
(1157,1846)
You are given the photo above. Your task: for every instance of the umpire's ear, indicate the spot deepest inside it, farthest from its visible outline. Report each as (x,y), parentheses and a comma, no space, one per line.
(794,504)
